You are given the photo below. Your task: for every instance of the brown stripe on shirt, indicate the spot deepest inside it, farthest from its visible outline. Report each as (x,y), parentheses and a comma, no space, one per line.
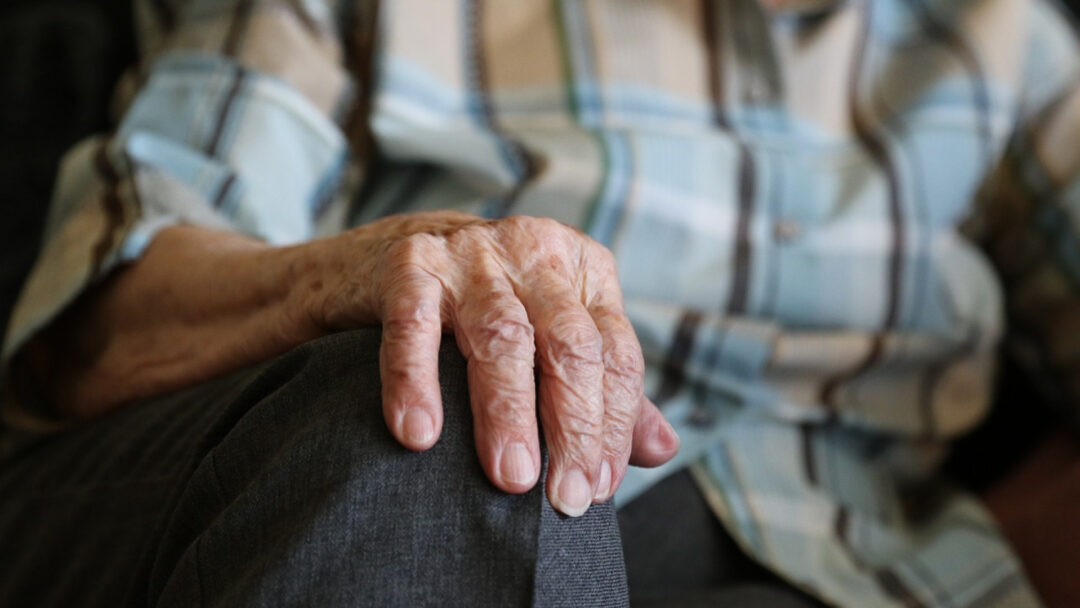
(875,148)
(237,28)
(238,79)
(968,59)
(482,87)
(714,62)
(711,33)
(296,8)
(887,580)
(840,527)
(740,281)
(842,531)
(111,204)
(223,191)
(360,41)
(891,584)
(674,367)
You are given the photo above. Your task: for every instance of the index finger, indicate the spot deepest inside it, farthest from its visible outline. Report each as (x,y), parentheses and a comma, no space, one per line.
(409,357)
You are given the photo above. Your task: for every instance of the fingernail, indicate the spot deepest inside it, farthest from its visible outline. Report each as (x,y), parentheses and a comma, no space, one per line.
(417,426)
(667,437)
(517,464)
(603,487)
(573,494)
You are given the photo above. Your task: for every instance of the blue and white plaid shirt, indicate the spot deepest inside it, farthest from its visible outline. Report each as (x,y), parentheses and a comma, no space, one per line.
(823,217)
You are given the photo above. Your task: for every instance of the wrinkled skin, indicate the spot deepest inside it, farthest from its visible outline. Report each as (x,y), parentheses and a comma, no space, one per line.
(534,305)
(515,293)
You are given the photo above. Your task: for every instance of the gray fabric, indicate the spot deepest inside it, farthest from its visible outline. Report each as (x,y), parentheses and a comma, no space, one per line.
(562,556)
(678,554)
(280,485)
(740,595)
(673,542)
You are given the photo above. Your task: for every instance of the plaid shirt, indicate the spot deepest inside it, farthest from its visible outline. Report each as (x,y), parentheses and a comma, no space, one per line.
(822,216)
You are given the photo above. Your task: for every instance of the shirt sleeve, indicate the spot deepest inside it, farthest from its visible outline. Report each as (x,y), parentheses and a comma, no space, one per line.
(1030,220)
(233,124)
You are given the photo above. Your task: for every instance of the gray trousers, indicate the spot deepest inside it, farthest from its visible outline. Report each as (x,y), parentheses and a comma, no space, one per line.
(280,485)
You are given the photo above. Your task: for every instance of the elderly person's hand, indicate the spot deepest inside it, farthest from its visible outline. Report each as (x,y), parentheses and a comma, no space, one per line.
(518,294)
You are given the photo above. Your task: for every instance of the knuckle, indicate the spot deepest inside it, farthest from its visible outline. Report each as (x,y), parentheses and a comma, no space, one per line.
(618,429)
(519,222)
(401,373)
(585,450)
(532,222)
(408,266)
(625,362)
(503,335)
(601,255)
(542,228)
(469,238)
(495,321)
(575,425)
(548,225)
(574,342)
(472,232)
(407,318)
(414,250)
(402,376)
(484,271)
(508,412)
(576,430)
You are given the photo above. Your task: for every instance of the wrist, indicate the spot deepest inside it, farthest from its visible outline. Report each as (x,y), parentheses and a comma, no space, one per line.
(330,284)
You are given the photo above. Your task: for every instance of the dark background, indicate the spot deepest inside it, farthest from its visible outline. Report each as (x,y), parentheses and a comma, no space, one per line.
(59,60)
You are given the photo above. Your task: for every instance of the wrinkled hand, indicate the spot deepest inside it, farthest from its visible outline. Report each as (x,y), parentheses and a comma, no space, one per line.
(517,293)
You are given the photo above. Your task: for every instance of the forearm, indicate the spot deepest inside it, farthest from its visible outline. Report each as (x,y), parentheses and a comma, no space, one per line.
(197,304)
(514,292)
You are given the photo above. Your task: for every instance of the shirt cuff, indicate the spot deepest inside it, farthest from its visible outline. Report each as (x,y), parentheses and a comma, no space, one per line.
(208,143)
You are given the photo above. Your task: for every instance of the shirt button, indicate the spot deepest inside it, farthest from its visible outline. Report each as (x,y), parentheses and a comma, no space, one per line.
(786,230)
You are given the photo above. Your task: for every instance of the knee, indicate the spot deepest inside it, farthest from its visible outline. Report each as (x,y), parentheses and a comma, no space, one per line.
(317,411)
(304,481)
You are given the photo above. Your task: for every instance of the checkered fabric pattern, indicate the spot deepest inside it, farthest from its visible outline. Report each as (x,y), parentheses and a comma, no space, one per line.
(824,214)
